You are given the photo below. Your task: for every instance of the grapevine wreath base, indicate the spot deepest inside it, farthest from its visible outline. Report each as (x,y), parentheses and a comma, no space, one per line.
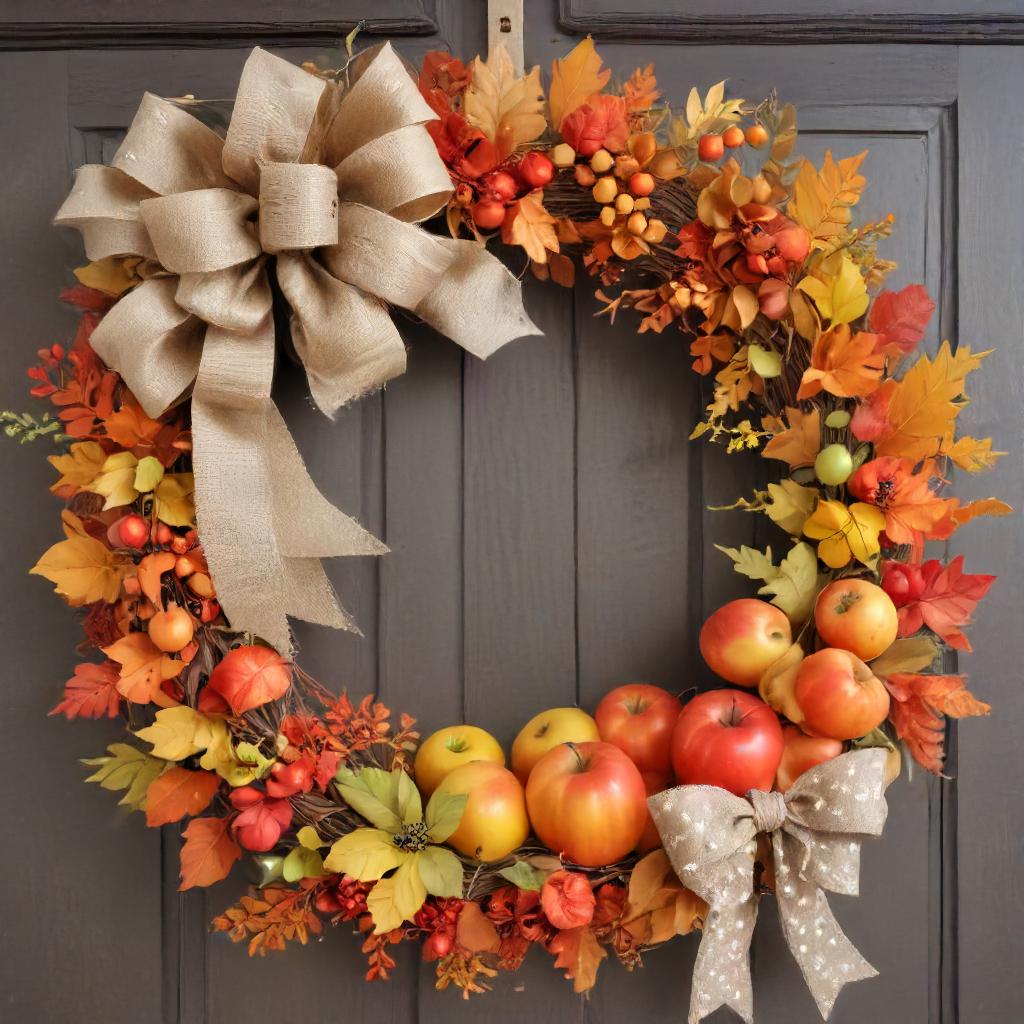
(699,221)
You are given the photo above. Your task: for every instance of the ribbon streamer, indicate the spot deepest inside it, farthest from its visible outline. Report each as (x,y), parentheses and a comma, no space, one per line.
(816,829)
(324,185)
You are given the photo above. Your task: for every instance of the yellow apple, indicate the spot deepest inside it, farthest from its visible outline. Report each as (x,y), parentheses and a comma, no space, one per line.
(547,730)
(447,749)
(494,822)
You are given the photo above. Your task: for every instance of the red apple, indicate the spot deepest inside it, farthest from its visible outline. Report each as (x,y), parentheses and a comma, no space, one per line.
(839,695)
(727,738)
(588,802)
(800,753)
(858,616)
(639,720)
(743,638)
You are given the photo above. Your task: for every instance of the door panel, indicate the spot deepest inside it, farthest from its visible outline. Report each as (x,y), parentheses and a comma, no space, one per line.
(546,514)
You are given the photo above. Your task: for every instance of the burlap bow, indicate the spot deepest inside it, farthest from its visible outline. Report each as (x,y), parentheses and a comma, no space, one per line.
(816,830)
(326,183)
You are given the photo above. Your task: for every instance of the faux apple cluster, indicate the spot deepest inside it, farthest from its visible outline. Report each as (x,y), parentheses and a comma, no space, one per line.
(834,666)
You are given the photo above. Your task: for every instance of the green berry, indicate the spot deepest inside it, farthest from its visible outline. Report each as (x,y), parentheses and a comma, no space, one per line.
(833,465)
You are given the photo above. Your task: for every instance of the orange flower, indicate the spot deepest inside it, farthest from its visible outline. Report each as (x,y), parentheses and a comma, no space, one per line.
(913,512)
(568,900)
(600,123)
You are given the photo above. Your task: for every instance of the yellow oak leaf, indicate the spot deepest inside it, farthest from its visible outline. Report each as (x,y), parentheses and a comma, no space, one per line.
(174,504)
(822,200)
(507,109)
(845,533)
(837,288)
(790,505)
(143,668)
(799,442)
(116,480)
(843,364)
(177,733)
(924,404)
(794,583)
(81,568)
(574,79)
(77,469)
(971,453)
(529,225)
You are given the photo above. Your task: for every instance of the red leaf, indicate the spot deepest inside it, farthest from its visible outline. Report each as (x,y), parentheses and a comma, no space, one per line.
(91,692)
(251,676)
(208,852)
(946,603)
(179,792)
(919,702)
(901,317)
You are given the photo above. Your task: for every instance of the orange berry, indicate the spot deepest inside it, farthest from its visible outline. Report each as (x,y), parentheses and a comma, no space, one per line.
(733,136)
(623,203)
(641,183)
(607,216)
(605,190)
(171,630)
(757,136)
(488,214)
(637,224)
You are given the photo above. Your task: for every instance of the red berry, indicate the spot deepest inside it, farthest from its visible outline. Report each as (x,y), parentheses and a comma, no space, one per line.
(438,945)
(710,148)
(162,534)
(488,214)
(132,531)
(499,185)
(536,169)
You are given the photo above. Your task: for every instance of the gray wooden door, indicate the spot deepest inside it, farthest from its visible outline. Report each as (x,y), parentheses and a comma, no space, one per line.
(545,511)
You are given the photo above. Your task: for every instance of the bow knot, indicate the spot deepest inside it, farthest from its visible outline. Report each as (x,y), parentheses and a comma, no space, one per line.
(323,186)
(816,829)
(769,809)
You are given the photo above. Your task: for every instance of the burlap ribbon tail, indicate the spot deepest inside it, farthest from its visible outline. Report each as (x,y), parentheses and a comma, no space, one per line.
(328,183)
(816,829)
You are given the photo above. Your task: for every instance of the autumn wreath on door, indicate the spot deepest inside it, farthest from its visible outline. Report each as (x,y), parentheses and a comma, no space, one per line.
(192,529)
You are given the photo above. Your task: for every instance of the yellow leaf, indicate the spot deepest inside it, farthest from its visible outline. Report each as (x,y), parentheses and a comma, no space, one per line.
(845,533)
(237,766)
(396,899)
(365,854)
(81,568)
(174,505)
(971,453)
(924,403)
(112,275)
(143,668)
(800,442)
(177,733)
(78,468)
(838,289)
(532,227)
(790,505)
(116,480)
(148,473)
(128,768)
(574,79)
(796,583)
(822,199)
(910,654)
(507,109)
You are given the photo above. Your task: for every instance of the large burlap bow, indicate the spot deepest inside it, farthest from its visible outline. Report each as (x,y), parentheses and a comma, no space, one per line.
(816,830)
(328,183)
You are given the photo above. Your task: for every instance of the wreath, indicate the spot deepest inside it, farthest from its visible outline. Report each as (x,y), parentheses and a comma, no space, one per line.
(607,834)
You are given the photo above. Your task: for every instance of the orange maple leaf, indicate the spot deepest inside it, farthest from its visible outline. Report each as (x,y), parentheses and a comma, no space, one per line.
(981,507)
(208,852)
(179,792)
(800,442)
(91,692)
(143,668)
(843,364)
(579,954)
(151,569)
(529,225)
(641,89)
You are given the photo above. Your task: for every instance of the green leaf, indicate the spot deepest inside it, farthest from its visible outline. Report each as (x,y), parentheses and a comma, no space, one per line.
(365,854)
(148,473)
(126,768)
(444,812)
(302,863)
(790,505)
(373,793)
(410,803)
(524,876)
(396,899)
(796,583)
(309,838)
(751,562)
(440,871)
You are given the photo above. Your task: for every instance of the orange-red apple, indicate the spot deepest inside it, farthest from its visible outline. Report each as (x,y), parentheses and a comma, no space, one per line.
(494,822)
(857,616)
(639,719)
(545,731)
(743,638)
(839,695)
(801,752)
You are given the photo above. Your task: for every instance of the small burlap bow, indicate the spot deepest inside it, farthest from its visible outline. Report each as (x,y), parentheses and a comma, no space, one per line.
(816,829)
(326,184)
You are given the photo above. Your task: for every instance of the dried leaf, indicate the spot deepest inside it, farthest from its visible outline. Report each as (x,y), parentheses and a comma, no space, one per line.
(174,504)
(822,200)
(77,469)
(901,319)
(177,733)
(574,79)
(475,931)
(91,692)
(251,676)
(800,442)
(179,792)
(981,507)
(843,364)
(641,89)
(143,668)
(529,225)
(578,952)
(128,768)
(838,289)
(208,852)
(971,453)
(790,505)
(81,568)
(507,109)
(794,583)
(150,572)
